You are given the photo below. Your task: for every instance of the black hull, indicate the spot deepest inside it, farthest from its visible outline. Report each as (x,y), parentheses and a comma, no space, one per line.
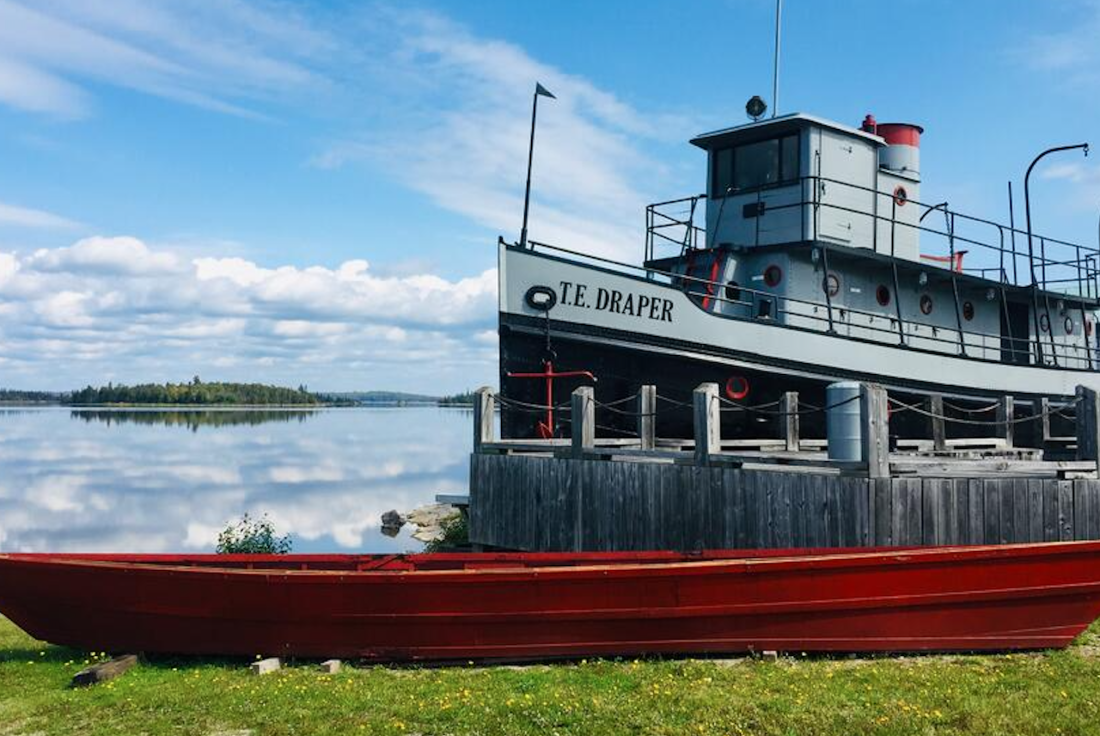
(624,363)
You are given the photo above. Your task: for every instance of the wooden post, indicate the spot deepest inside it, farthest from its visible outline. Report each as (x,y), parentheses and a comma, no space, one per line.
(708,422)
(1044,420)
(876,430)
(1088,426)
(647,417)
(483,417)
(788,420)
(1006,410)
(583,420)
(939,426)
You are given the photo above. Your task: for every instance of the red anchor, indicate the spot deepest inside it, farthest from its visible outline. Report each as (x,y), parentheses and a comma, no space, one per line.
(546,429)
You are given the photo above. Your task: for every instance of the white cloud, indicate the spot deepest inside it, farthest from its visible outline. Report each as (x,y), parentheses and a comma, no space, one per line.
(1084,176)
(1071,52)
(104,305)
(14,215)
(462,138)
(119,255)
(220,56)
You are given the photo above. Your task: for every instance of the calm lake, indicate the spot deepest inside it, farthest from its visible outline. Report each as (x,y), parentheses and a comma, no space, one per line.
(158,481)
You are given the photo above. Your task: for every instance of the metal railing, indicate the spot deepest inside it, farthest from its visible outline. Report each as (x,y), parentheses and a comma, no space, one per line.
(1058,265)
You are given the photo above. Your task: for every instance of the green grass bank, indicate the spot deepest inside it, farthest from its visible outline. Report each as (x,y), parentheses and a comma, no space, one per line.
(1045,693)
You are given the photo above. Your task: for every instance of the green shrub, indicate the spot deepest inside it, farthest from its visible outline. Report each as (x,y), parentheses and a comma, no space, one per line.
(456,533)
(252,537)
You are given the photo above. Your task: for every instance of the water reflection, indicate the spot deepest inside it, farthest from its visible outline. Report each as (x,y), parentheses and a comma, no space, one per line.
(193,418)
(134,482)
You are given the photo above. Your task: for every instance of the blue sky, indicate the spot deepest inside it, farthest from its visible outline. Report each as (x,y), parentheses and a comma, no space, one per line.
(310,192)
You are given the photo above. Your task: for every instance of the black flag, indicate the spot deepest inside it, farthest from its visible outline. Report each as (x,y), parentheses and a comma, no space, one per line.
(540,90)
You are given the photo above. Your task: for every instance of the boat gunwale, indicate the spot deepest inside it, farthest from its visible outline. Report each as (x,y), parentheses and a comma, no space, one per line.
(687,565)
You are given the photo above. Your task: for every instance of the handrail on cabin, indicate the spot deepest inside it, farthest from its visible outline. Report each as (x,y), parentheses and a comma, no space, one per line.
(1079,263)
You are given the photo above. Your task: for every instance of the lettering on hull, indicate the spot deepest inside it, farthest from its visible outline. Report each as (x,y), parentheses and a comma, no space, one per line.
(631,304)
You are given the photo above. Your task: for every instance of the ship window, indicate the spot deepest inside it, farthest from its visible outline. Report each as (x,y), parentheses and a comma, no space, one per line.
(754,165)
(788,158)
(723,169)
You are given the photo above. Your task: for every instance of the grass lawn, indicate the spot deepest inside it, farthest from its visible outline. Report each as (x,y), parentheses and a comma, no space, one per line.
(1047,693)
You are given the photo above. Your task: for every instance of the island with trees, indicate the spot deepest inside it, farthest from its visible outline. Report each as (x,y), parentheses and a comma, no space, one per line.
(195,393)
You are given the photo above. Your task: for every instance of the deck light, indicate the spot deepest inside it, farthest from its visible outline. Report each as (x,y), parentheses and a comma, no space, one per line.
(756,107)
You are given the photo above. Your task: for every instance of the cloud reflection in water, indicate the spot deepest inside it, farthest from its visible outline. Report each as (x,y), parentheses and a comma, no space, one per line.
(151,481)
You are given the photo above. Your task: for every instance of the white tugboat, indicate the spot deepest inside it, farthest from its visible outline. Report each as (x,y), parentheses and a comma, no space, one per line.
(810,259)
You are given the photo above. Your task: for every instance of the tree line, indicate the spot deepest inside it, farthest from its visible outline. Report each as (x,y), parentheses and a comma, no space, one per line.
(196,392)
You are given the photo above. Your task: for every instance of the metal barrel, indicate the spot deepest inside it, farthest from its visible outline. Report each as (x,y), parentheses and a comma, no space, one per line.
(843,427)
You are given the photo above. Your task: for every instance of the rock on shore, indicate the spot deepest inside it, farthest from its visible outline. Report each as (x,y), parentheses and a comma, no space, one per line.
(428,520)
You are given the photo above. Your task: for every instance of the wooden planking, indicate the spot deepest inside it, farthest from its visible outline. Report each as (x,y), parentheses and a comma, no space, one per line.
(548,503)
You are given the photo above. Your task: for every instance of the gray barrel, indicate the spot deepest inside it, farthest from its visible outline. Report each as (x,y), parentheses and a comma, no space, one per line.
(843,427)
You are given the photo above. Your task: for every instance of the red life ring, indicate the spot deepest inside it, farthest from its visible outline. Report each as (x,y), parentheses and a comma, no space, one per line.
(737,388)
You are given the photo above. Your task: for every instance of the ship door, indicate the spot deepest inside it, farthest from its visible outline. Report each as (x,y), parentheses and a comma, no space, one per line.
(842,192)
(1015,333)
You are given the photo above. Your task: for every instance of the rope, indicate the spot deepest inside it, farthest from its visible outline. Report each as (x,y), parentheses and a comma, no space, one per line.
(524,406)
(801,412)
(624,432)
(616,402)
(978,422)
(964,410)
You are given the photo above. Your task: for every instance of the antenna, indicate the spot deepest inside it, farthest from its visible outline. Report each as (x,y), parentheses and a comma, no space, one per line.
(775,68)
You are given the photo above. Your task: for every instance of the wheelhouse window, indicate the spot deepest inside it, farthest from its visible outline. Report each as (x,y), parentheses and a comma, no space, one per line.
(754,165)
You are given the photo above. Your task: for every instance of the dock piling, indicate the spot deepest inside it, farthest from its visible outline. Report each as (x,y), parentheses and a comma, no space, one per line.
(483,417)
(708,422)
(647,417)
(1006,411)
(939,425)
(876,430)
(1088,425)
(788,421)
(583,424)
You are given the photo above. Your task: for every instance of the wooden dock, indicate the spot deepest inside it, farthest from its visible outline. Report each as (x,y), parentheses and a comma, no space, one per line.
(587,493)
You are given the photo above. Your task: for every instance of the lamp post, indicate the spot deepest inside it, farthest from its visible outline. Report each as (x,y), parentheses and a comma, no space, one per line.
(1031,248)
(1027,200)
(539,91)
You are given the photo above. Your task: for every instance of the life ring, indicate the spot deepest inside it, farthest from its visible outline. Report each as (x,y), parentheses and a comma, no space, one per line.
(737,388)
(541,298)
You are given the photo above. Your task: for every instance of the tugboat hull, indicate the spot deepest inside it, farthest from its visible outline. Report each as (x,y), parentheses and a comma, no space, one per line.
(665,338)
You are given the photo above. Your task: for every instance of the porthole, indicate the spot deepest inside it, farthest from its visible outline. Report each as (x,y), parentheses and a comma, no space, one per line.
(900,196)
(882,295)
(968,311)
(773,275)
(1044,323)
(1069,326)
(925,304)
(733,291)
(737,387)
(831,285)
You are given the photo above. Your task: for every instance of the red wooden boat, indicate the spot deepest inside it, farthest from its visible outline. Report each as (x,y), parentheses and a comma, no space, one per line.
(532,606)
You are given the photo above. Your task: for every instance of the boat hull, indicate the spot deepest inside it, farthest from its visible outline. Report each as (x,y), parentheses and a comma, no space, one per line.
(520,607)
